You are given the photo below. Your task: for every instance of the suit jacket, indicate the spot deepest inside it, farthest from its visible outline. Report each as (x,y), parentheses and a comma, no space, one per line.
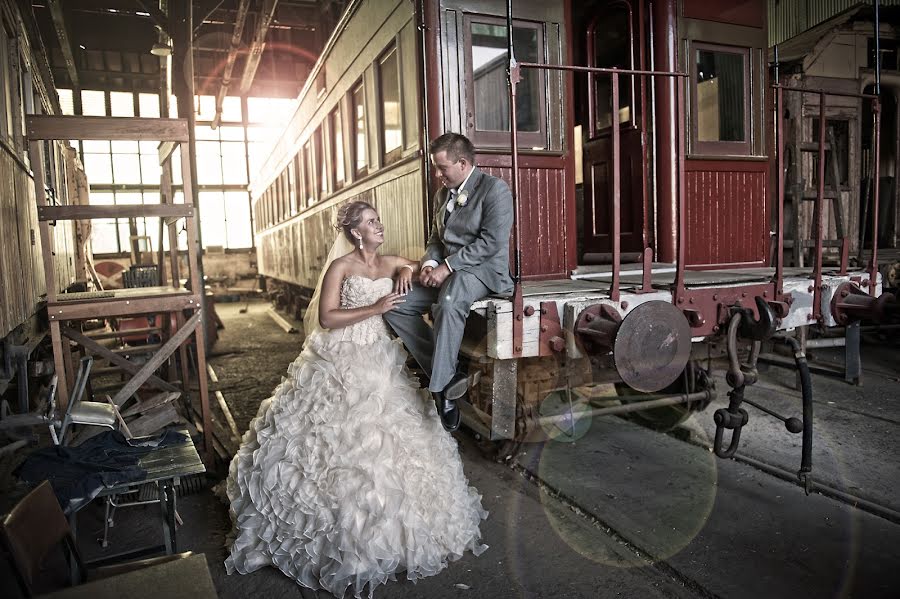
(475,237)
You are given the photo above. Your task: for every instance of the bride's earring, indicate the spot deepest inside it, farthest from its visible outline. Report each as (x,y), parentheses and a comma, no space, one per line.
(360,242)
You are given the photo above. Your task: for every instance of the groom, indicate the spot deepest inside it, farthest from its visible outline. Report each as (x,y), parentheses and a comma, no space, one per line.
(466,259)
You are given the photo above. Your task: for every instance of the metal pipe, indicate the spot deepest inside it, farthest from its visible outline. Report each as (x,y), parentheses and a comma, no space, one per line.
(601,70)
(820,214)
(826,342)
(616,184)
(680,196)
(512,75)
(873,263)
(654,401)
(877,48)
(810,90)
(779,150)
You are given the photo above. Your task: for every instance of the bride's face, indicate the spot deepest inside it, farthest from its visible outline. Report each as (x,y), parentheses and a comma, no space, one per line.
(370,230)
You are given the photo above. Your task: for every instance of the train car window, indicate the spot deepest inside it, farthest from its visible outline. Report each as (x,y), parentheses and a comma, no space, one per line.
(321,163)
(6,101)
(487,90)
(294,205)
(389,98)
(337,148)
(308,183)
(360,158)
(720,100)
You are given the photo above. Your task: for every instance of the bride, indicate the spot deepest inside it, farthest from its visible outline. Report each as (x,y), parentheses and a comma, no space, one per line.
(346,476)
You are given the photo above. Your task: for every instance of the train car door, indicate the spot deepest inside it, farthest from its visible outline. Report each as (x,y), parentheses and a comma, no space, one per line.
(614,37)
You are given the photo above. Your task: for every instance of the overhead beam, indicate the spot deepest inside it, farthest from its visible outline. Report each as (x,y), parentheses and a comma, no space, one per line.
(258,44)
(236,37)
(159,17)
(59,23)
(105,127)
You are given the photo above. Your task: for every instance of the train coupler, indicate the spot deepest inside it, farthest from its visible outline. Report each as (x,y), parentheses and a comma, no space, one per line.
(733,418)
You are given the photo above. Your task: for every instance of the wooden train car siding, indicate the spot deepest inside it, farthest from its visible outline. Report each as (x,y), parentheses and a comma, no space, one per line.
(543,219)
(23,284)
(726,213)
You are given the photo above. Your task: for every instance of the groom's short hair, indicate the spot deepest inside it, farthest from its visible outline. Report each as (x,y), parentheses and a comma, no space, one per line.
(455,145)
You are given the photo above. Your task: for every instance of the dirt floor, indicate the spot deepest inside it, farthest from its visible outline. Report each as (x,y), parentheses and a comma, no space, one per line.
(620,512)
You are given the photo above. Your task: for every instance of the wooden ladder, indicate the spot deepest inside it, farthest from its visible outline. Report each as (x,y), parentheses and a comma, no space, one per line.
(798,191)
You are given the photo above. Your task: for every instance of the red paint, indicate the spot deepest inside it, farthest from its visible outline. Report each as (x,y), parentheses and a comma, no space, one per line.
(544,222)
(727,223)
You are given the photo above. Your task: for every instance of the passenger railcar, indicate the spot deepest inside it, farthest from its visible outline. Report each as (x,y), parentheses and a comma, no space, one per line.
(645,171)
(25,82)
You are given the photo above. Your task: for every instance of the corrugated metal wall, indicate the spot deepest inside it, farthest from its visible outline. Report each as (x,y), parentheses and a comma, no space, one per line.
(787,18)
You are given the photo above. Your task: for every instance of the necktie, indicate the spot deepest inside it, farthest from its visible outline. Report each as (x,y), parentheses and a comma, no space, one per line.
(450,204)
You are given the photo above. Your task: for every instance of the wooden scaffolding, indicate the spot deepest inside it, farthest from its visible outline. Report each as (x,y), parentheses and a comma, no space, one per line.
(185,305)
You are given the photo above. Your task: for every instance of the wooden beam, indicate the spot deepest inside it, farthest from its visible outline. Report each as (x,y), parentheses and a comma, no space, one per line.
(156,361)
(165,150)
(258,44)
(97,349)
(59,23)
(73,310)
(105,127)
(84,212)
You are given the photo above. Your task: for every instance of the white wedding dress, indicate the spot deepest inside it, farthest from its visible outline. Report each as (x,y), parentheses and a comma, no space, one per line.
(346,477)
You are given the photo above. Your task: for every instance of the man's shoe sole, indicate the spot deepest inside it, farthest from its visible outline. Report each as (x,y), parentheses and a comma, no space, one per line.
(457,387)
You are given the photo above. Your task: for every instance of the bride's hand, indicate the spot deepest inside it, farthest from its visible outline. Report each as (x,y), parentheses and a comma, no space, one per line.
(403,282)
(388,302)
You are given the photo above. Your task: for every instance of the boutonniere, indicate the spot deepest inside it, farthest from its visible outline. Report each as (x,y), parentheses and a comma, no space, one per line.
(462,197)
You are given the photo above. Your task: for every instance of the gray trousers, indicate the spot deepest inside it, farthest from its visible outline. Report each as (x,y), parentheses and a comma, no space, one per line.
(437,350)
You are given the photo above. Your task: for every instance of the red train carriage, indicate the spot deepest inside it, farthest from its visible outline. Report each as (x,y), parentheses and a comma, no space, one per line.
(646,183)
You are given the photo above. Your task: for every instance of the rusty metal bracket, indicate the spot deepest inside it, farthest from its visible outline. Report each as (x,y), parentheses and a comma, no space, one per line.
(518,315)
(850,303)
(551,337)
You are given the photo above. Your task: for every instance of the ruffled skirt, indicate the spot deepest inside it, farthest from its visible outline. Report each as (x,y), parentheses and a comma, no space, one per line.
(346,477)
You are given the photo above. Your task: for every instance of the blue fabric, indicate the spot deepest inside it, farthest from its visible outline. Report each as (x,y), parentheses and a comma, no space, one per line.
(79,474)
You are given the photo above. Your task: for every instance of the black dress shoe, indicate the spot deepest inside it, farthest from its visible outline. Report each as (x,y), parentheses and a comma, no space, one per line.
(448,411)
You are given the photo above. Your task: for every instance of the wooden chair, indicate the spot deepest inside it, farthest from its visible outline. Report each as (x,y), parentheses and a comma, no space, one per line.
(36,532)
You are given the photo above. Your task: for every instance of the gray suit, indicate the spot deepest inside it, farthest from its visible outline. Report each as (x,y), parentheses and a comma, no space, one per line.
(474,241)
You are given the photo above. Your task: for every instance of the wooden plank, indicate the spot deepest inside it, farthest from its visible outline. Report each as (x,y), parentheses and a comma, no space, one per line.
(154,402)
(97,349)
(122,333)
(165,150)
(161,356)
(224,406)
(122,211)
(154,420)
(120,307)
(105,127)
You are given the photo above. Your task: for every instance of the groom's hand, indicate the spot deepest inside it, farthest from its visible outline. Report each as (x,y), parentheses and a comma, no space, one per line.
(434,277)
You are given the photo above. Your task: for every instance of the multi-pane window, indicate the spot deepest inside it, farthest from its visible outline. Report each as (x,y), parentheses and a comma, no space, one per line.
(129,172)
(488,93)
(721,86)
(389,97)
(360,153)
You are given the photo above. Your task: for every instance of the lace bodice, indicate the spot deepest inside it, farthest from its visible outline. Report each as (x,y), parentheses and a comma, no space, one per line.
(356,292)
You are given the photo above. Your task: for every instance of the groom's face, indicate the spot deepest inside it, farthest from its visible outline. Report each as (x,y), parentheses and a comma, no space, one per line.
(449,172)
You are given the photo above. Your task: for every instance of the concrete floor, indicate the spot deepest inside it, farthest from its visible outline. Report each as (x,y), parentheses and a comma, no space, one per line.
(622,511)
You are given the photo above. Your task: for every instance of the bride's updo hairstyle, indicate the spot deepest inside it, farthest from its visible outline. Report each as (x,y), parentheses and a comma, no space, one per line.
(350,216)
